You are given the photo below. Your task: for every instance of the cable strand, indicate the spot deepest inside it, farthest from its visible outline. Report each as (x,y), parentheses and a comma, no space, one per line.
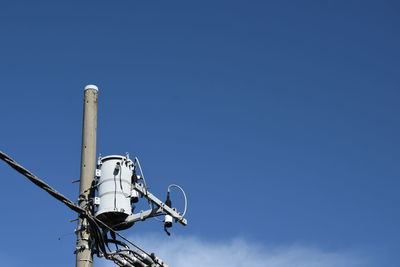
(95,225)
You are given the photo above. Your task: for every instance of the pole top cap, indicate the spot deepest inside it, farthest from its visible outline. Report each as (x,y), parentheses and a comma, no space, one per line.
(91,86)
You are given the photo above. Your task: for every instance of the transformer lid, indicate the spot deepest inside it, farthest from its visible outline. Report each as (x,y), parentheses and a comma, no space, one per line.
(115,157)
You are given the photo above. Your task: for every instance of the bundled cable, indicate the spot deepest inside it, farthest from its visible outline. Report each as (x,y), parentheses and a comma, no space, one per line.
(34,179)
(98,229)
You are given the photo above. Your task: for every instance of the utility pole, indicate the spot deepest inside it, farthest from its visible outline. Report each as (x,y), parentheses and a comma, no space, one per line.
(84,256)
(109,208)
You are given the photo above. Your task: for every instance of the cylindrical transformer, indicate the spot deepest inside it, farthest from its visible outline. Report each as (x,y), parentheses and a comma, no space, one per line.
(114,189)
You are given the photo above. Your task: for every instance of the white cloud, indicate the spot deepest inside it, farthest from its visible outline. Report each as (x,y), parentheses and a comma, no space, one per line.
(194,252)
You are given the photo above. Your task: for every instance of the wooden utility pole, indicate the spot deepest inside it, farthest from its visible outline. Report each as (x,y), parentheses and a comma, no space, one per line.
(84,257)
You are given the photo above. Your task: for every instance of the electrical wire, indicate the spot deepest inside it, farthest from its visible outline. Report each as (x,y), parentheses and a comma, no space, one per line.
(34,179)
(184,196)
(120,184)
(141,173)
(96,227)
(115,193)
(144,181)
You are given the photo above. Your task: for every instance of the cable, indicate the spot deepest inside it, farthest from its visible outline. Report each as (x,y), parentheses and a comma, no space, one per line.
(34,179)
(120,185)
(184,196)
(115,193)
(141,173)
(95,226)
(144,181)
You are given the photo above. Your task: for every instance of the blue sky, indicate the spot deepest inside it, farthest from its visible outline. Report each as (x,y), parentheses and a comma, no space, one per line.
(280,119)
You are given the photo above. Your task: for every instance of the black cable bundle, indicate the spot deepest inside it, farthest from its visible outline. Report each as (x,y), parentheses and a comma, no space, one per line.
(97,229)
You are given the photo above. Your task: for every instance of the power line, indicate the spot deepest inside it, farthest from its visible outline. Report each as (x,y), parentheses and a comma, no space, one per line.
(34,179)
(98,228)
(96,220)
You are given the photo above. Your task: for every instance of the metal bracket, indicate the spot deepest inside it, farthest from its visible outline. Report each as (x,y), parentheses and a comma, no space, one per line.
(162,207)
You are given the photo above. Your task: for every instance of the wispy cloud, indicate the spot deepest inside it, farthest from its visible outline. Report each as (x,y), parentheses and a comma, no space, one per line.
(194,252)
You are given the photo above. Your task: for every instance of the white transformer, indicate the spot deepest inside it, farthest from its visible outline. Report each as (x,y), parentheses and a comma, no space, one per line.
(113,201)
